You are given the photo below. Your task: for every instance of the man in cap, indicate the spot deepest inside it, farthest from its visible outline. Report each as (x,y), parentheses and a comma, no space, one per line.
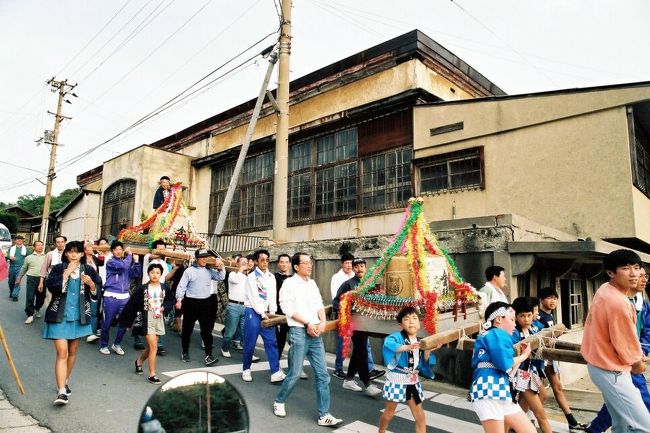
(359,359)
(193,295)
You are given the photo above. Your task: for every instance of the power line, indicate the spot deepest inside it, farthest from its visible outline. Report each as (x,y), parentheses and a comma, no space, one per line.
(111,38)
(21,167)
(168,104)
(141,26)
(95,36)
(151,53)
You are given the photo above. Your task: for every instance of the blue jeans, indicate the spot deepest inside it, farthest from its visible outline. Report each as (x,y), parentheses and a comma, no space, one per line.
(303,345)
(252,329)
(338,363)
(623,400)
(233,321)
(14,289)
(603,420)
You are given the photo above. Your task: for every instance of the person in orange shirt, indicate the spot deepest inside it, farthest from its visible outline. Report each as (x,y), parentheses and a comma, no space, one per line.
(610,344)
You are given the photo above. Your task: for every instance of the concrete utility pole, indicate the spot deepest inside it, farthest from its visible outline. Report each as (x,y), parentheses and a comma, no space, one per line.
(225,206)
(64,88)
(281,174)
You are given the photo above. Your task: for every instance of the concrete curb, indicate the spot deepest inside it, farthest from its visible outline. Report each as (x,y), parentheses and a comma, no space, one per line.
(12,420)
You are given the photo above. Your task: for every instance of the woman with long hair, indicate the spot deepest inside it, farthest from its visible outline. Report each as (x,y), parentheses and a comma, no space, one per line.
(67,318)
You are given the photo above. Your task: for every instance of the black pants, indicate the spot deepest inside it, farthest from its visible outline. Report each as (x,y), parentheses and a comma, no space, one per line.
(281,332)
(201,310)
(33,299)
(359,359)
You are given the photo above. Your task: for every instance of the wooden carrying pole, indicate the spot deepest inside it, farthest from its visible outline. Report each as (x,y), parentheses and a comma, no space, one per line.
(11,362)
(533,340)
(281,319)
(437,340)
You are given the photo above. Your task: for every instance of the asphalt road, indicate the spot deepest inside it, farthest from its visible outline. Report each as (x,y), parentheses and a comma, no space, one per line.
(108,397)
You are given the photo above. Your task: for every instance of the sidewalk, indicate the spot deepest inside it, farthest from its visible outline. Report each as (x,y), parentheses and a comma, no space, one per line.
(12,420)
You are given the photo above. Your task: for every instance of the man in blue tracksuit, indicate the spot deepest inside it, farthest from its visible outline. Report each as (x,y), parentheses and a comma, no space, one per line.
(120,269)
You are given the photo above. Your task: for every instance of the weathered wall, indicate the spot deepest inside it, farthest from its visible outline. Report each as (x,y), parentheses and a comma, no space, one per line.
(81,221)
(146,165)
(572,174)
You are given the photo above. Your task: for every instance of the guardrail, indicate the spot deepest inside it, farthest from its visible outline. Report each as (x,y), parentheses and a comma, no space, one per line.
(234,243)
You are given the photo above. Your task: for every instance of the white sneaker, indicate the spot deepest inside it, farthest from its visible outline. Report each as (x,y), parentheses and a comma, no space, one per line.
(117,349)
(104,351)
(352,385)
(246,376)
(29,320)
(278,409)
(303,375)
(278,376)
(37,314)
(255,358)
(225,354)
(372,391)
(92,338)
(328,420)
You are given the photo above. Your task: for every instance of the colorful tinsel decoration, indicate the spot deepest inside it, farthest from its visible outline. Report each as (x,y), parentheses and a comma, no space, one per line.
(167,212)
(414,238)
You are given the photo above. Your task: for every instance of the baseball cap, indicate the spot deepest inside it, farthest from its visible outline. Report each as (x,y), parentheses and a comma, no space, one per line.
(203,252)
(358,260)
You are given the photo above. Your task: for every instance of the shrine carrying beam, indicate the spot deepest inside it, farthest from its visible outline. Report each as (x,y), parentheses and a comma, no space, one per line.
(281,319)
(533,340)
(436,340)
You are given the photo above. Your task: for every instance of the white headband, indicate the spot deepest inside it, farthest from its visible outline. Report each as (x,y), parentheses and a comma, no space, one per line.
(499,312)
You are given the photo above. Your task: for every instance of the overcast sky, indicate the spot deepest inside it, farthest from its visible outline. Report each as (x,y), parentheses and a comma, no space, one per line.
(131,56)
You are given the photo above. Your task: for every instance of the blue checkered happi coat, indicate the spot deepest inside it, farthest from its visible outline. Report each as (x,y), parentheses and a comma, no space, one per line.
(490,387)
(397,391)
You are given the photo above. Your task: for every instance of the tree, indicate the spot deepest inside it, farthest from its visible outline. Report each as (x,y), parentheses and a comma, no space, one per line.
(63,199)
(34,203)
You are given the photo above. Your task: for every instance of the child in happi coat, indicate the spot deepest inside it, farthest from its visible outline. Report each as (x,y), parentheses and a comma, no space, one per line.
(528,377)
(405,360)
(493,360)
(144,311)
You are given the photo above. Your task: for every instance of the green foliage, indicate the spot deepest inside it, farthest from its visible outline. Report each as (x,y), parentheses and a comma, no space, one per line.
(10,220)
(34,203)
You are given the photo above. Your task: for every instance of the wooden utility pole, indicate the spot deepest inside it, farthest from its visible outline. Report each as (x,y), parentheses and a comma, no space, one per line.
(63,88)
(280,178)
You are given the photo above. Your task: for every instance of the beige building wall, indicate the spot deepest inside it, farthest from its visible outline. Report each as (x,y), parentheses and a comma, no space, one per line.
(146,165)
(81,221)
(409,75)
(561,162)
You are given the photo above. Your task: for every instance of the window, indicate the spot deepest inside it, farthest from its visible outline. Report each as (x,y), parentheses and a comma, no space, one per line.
(452,171)
(329,178)
(117,207)
(386,179)
(572,300)
(252,203)
(640,150)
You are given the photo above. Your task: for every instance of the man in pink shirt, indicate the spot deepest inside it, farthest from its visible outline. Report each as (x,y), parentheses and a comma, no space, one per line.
(610,344)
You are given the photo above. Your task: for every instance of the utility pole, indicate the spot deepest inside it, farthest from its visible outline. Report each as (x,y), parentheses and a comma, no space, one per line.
(281,176)
(64,88)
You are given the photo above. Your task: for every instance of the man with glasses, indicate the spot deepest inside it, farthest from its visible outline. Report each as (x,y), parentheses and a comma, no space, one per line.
(303,305)
(259,300)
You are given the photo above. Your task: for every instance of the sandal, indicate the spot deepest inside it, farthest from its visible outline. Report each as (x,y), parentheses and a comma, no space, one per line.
(138,368)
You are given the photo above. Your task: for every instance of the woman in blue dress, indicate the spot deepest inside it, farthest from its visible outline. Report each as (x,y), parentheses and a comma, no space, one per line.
(67,317)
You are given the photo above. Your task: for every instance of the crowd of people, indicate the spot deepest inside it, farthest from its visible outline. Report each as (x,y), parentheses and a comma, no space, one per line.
(86,288)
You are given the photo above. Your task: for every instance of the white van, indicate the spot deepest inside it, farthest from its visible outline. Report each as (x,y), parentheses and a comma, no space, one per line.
(5,239)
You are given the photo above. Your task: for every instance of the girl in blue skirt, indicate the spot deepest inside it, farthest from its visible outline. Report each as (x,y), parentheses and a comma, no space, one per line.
(67,317)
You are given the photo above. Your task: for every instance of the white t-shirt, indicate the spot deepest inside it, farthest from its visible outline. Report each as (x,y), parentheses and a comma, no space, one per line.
(337,280)
(303,297)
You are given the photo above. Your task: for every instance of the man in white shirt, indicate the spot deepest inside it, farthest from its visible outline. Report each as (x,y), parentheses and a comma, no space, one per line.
(344,274)
(234,319)
(52,258)
(260,302)
(303,305)
(493,290)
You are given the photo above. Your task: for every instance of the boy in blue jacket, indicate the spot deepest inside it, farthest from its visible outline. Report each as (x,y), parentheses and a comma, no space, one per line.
(405,360)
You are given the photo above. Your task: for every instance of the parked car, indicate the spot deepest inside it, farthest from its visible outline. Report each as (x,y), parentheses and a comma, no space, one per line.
(5,239)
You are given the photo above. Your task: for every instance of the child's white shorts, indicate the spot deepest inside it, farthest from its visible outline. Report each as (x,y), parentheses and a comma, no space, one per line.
(489,408)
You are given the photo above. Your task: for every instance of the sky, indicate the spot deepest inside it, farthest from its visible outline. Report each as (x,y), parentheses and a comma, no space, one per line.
(129,57)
